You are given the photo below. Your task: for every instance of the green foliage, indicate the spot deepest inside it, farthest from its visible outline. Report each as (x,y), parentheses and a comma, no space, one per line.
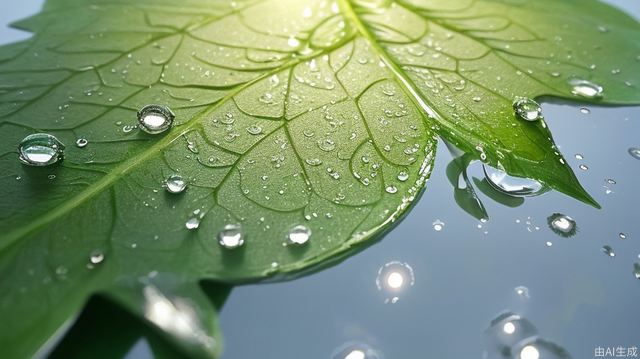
(288,112)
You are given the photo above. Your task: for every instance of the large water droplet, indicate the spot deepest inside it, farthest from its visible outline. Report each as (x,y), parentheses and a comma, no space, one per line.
(393,278)
(175,184)
(96,257)
(585,88)
(231,236)
(635,152)
(527,109)
(562,225)
(40,149)
(511,185)
(155,119)
(299,235)
(192,223)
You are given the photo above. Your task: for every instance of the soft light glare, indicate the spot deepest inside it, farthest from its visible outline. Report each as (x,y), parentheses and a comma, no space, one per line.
(509,328)
(395,280)
(529,352)
(356,354)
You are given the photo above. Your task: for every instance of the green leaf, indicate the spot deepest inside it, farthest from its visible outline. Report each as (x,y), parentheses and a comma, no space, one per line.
(288,112)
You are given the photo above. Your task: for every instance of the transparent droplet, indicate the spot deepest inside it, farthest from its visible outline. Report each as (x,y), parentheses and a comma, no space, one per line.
(635,152)
(438,225)
(231,236)
(40,149)
(299,235)
(622,235)
(562,225)
(403,176)
(579,156)
(583,167)
(511,185)
(391,189)
(175,184)
(585,110)
(585,88)
(192,223)
(81,142)
(313,161)
(327,145)
(608,251)
(539,348)
(155,119)
(254,130)
(522,291)
(507,330)
(636,270)
(96,257)
(527,109)
(393,278)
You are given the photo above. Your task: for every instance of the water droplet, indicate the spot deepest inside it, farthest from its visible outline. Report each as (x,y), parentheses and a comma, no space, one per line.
(82,142)
(40,149)
(155,119)
(313,161)
(391,189)
(299,235)
(527,109)
(635,152)
(583,167)
(438,225)
(562,225)
(636,270)
(254,130)
(175,184)
(585,88)
(96,257)
(522,291)
(293,42)
(231,236)
(393,278)
(585,110)
(403,176)
(622,235)
(356,351)
(579,156)
(511,185)
(608,251)
(327,145)
(193,223)
(507,330)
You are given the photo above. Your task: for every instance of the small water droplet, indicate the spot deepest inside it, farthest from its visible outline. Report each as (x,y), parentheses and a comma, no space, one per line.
(313,161)
(254,130)
(511,185)
(96,257)
(438,225)
(527,109)
(327,145)
(583,167)
(635,152)
(391,189)
(155,119)
(403,176)
(522,291)
(231,236)
(579,156)
(585,88)
(299,235)
(562,225)
(622,235)
(636,270)
(585,110)
(192,223)
(81,142)
(175,184)
(293,42)
(40,149)
(356,351)
(608,251)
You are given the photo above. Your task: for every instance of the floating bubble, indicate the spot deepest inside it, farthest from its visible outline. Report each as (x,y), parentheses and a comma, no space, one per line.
(155,119)
(562,225)
(40,149)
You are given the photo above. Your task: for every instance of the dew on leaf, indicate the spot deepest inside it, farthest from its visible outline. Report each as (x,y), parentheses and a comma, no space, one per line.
(313,161)
(527,109)
(40,149)
(231,236)
(81,142)
(175,184)
(391,189)
(511,185)
(403,176)
(193,223)
(254,130)
(585,88)
(327,145)
(155,119)
(299,235)
(96,257)
(562,225)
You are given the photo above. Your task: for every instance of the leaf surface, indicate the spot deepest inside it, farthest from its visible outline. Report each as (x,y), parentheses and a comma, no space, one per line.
(288,113)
